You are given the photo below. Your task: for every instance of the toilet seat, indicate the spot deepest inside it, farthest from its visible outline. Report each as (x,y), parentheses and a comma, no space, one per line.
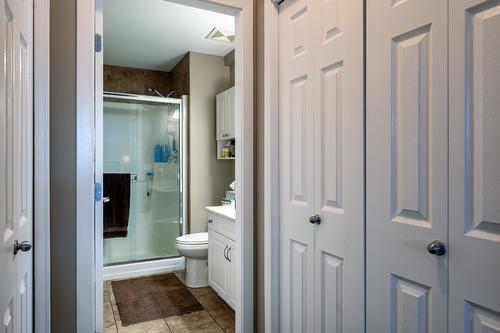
(200,238)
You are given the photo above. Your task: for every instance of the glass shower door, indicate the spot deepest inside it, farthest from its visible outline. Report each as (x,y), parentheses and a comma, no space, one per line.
(142,139)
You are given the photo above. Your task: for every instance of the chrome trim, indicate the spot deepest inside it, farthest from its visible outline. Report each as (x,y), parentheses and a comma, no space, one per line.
(143,98)
(184,115)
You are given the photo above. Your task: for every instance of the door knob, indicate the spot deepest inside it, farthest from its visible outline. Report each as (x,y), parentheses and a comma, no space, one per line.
(106,199)
(23,246)
(315,219)
(437,248)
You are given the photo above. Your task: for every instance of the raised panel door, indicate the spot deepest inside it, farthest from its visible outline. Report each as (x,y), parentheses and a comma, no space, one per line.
(474,166)
(338,160)
(407,165)
(296,164)
(16,165)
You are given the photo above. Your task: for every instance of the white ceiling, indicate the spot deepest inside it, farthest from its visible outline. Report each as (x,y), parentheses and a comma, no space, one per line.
(155,34)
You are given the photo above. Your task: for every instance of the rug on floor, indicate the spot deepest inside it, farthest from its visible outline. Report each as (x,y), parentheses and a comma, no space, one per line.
(153,297)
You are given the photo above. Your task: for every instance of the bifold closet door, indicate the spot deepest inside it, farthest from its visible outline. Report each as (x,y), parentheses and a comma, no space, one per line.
(407,165)
(321,165)
(474,166)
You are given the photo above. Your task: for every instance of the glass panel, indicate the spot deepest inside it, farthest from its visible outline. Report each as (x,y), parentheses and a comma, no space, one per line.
(142,139)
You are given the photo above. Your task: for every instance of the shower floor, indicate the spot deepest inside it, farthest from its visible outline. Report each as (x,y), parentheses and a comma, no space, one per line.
(216,315)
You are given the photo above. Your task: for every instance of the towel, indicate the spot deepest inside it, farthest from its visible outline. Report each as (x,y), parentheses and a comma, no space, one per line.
(116,211)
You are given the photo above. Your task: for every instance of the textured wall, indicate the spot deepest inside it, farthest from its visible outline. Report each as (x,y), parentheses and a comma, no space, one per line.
(135,80)
(180,77)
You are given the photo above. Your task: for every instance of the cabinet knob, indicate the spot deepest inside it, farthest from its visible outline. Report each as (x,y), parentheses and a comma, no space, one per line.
(210,221)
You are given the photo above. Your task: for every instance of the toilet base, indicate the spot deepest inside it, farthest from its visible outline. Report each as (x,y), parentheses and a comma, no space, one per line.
(196,273)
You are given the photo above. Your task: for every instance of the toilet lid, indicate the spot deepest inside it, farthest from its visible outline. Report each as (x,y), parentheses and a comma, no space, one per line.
(198,238)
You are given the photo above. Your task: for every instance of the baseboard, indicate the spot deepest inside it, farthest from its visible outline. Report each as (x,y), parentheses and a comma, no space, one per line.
(143,268)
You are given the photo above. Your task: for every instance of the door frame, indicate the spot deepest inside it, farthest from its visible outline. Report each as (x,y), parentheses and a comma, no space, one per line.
(86,279)
(41,181)
(271,167)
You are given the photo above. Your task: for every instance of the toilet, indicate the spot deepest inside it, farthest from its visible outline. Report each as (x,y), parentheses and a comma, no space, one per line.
(194,247)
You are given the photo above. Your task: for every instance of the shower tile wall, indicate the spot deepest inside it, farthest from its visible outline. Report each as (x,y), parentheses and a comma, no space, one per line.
(137,81)
(130,133)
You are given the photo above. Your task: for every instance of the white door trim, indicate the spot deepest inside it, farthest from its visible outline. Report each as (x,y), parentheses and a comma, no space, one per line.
(41,86)
(243,11)
(271,169)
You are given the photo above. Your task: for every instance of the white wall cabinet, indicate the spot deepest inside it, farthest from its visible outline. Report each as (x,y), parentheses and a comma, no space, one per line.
(225,115)
(221,258)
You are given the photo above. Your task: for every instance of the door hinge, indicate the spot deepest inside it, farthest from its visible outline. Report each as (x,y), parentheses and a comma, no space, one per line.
(97,192)
(98,42)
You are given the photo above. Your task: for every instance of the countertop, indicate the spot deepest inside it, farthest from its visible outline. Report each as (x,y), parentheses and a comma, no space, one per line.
(228,211)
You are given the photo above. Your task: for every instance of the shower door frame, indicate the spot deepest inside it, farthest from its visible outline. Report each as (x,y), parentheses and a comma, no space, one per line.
(117,271)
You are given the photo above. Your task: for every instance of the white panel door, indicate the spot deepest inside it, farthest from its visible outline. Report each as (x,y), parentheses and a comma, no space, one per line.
(474,166)
(338,161)
(296,158)
(407,165)
(16,160)
(321,165)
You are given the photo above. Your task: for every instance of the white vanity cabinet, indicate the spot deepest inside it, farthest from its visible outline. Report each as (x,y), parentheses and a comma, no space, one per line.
(222,250)
(225,115)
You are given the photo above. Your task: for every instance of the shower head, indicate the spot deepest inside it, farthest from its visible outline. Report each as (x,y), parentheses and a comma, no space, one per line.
(155,92)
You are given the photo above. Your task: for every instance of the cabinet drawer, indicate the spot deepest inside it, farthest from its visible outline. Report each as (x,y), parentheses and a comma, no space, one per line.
(213,223)
(222,225)
(226,227)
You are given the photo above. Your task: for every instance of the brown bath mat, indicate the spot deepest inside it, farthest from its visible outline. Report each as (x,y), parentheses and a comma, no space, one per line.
(153,297)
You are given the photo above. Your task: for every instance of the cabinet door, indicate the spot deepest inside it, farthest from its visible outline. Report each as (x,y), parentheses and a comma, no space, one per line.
(231,133)
(217,263)
(233,256)
(220,110)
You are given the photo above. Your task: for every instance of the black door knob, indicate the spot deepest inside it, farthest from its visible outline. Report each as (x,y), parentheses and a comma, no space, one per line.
(315,219)
(23,246)
(437,248)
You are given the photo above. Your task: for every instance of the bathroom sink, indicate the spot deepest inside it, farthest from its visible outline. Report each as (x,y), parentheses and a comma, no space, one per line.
(227,211)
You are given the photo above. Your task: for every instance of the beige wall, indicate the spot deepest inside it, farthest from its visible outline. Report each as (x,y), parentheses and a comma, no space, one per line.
(63,165)
(209,177)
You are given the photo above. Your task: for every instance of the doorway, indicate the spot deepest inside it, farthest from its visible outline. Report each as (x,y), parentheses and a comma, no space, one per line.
(143,161)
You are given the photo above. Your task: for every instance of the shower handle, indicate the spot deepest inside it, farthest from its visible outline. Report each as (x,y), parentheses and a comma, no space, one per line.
(106,199)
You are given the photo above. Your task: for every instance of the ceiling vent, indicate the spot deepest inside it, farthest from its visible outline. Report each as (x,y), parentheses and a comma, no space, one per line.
(221,35)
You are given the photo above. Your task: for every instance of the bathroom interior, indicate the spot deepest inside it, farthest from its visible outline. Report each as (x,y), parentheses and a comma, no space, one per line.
(168,168)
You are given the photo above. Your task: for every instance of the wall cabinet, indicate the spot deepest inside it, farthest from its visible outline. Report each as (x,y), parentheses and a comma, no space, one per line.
(225,115)
(221,258)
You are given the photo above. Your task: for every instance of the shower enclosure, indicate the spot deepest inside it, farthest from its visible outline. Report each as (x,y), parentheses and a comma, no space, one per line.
(144,136)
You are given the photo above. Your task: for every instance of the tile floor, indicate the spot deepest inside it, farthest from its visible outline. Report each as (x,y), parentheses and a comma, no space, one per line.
(217,316)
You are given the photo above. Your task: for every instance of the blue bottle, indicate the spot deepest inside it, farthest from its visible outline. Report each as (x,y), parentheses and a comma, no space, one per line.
(158,153)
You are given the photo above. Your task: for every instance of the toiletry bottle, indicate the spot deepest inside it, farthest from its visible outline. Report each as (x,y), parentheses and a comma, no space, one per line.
(158,153)
(165,153)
